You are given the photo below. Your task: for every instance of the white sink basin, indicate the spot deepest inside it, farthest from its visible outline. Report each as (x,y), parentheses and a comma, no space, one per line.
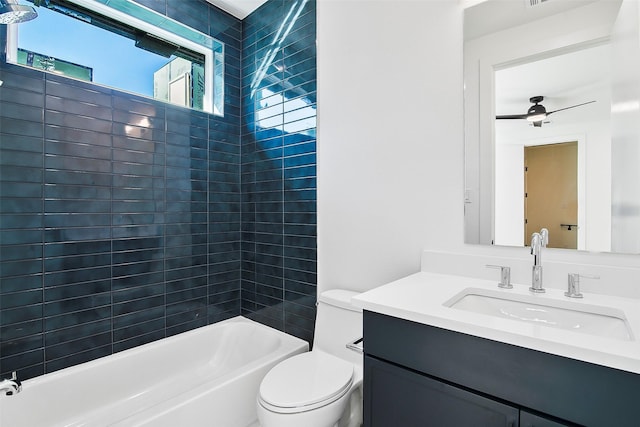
(577,317)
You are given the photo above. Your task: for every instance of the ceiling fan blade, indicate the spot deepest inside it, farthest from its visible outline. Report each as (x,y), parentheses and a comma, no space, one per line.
(573,106)
(512,116)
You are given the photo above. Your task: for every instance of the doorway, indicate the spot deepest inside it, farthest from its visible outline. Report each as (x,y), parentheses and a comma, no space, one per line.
(551,193)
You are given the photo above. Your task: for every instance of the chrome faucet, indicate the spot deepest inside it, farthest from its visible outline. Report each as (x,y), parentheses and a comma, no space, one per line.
(538,241)
(10,386)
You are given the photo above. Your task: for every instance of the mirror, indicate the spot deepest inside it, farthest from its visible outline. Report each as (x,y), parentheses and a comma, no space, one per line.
(580,61)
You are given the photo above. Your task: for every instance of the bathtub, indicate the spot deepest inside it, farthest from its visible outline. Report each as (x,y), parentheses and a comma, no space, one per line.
(205,377)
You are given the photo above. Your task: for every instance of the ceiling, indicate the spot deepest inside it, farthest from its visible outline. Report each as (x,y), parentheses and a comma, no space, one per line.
(238,8)
(489,17)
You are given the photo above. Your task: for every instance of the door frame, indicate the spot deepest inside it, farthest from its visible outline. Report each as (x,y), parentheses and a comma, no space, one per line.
(581,139)
(547,156)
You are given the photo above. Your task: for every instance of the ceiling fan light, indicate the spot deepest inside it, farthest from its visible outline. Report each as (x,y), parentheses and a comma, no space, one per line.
(536,113)
(537,117)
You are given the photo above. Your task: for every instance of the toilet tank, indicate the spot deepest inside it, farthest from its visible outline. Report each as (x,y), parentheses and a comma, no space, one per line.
(338,322)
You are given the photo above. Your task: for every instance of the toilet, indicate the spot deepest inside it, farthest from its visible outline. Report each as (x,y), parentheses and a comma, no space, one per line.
(323,387)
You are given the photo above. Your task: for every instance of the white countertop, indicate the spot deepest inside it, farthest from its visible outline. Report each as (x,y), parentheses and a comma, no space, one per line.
(421,298)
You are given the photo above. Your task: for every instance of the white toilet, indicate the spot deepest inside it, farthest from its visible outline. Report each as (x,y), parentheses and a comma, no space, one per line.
(321,388)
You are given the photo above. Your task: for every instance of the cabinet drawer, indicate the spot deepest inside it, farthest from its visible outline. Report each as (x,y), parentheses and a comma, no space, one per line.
(398,397)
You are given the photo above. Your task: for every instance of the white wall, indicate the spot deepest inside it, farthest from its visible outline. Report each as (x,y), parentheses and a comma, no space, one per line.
(390,143)
(626,130)
(389,137)
(509,197)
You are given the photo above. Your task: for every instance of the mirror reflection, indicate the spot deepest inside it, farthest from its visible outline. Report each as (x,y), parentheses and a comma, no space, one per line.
(552,123)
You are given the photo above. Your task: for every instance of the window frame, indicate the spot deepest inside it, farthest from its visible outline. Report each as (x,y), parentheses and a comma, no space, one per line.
(209,47)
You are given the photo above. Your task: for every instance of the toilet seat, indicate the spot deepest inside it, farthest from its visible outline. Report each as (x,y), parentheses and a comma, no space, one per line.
(305,382)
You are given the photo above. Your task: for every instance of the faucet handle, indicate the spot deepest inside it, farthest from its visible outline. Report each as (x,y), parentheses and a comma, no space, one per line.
(505,276)
(573,284)
(544,237)
(536,240)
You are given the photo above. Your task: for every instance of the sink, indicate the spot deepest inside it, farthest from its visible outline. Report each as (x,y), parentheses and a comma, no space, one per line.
(577,317)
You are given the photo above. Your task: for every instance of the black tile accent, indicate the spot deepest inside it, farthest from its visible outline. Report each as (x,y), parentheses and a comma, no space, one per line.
(114,234)
(278,167)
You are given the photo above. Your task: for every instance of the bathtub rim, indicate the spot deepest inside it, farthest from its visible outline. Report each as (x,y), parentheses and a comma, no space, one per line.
(110,358)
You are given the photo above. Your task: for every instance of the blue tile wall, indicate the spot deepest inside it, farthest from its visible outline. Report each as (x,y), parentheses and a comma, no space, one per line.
(278,166)
(120,216)
(124,220)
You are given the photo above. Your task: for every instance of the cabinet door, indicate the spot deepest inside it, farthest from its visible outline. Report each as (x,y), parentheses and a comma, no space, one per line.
(394,397)
(527,419)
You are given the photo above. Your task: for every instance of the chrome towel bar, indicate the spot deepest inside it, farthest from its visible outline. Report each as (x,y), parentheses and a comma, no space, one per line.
(356,345)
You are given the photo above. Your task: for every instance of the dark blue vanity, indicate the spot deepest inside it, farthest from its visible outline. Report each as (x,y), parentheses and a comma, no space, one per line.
(421,375)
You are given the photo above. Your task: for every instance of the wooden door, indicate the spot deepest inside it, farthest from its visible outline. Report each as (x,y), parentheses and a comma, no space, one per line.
(551,193)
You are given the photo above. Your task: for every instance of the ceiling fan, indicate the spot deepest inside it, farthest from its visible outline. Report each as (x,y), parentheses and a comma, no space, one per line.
(537,113)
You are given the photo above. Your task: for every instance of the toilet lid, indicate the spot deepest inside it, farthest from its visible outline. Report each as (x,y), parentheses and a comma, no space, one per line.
(306,379)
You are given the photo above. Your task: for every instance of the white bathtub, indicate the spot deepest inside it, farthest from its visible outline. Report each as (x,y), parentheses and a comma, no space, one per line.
(205,377)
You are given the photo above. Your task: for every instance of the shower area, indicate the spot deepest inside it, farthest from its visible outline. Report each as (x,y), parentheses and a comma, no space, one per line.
(124,220)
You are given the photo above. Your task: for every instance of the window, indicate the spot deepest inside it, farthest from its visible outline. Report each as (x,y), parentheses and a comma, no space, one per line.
(124,45)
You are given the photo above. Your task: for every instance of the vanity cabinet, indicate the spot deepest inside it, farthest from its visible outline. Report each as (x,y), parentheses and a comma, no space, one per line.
(420,375)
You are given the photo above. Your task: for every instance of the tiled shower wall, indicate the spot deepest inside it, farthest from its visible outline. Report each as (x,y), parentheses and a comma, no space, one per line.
(279,166)
(118,224)
(122,219)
